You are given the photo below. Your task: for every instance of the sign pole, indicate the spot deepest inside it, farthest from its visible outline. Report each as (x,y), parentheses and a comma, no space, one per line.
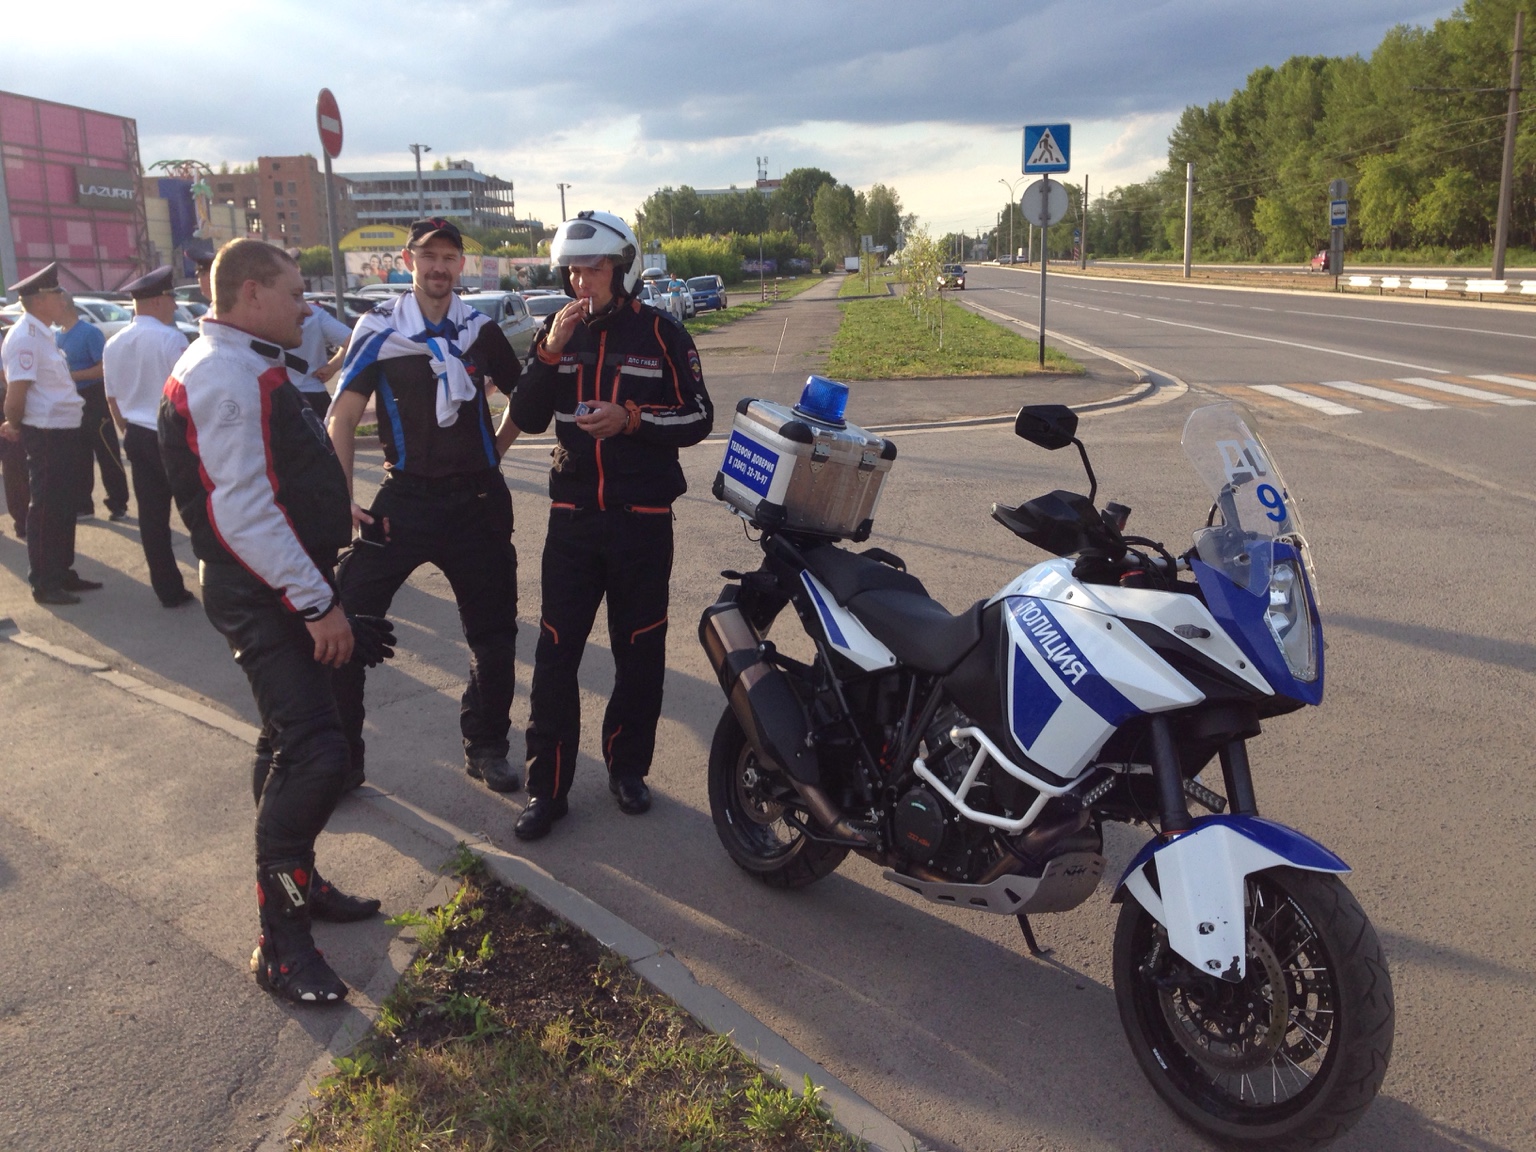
(1189,214)
(338,269)
(1338,218)
(1045,262)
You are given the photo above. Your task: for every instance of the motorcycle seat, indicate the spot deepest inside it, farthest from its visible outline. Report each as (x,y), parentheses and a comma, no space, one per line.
(846,574)
(917,629)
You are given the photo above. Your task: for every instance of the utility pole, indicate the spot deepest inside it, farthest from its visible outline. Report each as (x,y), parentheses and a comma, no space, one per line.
(563,187)
(421,195)
(1013,210)
(1029,254)
(1507,176)
(1082,248)
(1189,213)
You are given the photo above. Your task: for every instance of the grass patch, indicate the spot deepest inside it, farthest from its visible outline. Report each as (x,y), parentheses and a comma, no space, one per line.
(515,1030)
(855,284)
(883,340)
(747,293)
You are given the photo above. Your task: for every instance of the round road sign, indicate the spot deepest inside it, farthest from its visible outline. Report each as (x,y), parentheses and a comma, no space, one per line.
(328,117)
(1044,203)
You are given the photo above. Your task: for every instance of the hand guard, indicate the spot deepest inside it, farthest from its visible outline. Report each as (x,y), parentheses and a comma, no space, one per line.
(373,639)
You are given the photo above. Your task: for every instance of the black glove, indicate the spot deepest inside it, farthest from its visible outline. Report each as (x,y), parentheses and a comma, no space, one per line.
(373,639)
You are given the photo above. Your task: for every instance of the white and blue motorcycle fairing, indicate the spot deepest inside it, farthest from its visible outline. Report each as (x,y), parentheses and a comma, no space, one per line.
(1200,873)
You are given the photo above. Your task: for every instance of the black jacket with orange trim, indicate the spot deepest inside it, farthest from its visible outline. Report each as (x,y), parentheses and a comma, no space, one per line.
(634,356)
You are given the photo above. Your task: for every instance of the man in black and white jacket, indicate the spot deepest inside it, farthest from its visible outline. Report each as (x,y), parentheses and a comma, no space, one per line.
(265,501)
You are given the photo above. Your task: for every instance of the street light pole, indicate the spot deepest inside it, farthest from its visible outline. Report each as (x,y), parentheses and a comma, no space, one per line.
(562,188)
(421,195)
(1012,211)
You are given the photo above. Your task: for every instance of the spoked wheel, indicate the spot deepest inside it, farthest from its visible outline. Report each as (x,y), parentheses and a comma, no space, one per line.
(750,819)
(1291,1057)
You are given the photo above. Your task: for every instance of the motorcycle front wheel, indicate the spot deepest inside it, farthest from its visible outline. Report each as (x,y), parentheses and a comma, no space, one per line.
(1290,1057)
(750,822)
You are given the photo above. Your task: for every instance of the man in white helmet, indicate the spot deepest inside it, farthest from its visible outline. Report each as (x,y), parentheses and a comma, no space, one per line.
(622,383)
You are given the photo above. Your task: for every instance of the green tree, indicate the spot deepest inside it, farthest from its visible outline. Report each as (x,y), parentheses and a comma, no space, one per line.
(880,216)
(835,213)
(315,261)
(794,201)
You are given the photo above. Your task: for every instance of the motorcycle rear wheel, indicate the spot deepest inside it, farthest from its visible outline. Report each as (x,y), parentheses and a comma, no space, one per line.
(1291,1057)
(750,824)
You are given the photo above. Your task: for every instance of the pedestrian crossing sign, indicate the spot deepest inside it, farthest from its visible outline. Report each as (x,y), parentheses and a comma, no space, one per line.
(1047,148)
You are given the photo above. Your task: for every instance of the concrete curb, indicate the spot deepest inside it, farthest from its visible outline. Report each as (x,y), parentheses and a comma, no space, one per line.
(647,959)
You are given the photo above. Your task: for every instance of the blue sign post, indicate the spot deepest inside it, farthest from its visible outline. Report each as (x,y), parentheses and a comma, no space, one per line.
(1338,213)
(1047,148)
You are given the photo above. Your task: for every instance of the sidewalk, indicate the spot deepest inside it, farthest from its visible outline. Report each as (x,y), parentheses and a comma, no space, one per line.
(768,355)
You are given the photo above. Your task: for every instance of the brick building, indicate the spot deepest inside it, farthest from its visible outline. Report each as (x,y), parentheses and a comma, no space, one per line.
(284,200)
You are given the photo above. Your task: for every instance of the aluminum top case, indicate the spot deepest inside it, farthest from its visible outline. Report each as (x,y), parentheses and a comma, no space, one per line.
(787,470)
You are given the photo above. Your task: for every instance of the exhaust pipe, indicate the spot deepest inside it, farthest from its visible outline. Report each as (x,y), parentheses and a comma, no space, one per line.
(1037,840)
(768,710)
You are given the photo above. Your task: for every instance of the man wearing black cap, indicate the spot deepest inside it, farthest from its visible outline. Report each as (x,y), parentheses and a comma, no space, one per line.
(83,345)
(42,410)
(138,361)
(426,358)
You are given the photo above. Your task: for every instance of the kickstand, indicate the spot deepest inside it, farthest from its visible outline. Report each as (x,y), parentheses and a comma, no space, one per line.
(1029,937)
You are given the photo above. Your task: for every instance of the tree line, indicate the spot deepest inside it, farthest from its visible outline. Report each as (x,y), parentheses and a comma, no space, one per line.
(810,205)
(1416,128)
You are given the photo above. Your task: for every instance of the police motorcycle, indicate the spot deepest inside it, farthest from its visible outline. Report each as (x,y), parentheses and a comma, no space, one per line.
(976,757)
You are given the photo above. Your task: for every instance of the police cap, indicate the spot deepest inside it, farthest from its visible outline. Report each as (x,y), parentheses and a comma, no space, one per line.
(151,284)
(43,280)
(201,251)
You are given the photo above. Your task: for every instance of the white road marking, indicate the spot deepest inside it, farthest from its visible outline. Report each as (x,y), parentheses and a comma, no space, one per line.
(1305,399)
(1292,343)
(1417,402)
(1411,324)
(1511,381)
(1463,390)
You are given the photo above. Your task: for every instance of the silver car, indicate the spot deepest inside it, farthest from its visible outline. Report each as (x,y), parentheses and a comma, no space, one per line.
(510,312)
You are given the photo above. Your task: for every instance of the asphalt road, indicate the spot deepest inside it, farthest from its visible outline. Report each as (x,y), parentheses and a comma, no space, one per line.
(1414,770)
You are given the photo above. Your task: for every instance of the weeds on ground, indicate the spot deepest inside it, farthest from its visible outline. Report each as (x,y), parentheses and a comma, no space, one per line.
(514,1030)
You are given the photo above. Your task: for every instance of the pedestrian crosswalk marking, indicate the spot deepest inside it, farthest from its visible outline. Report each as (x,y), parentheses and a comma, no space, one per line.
(1306,400)
(1463,390)
(1507,381)
(1374,393)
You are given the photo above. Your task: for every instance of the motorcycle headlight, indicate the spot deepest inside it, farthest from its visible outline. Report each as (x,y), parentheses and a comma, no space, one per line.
(1290,620)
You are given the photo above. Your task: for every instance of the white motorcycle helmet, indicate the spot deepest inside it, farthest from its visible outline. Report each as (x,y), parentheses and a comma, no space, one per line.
(588,238)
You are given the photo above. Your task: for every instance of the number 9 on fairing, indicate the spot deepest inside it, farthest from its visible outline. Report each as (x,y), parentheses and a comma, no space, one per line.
(1270,497)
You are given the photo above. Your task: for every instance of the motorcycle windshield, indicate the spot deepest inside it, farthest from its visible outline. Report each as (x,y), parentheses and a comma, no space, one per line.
(1254,506)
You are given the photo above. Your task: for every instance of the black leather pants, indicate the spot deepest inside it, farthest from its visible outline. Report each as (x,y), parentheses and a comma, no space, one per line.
(298,710)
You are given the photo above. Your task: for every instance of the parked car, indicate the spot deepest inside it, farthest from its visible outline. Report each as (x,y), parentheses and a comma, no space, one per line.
(383,291)
(1005,259)
(953,276)
(542,307)
(191,294)
(510,312)
(110,317)
(354,304)
(186,323)
(708,293)
(1320,261)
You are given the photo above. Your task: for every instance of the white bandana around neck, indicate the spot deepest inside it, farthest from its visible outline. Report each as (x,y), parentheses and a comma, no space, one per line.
(402,331)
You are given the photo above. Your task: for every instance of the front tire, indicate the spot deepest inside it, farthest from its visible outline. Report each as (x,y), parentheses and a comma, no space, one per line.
(750,822)
(1291,1057)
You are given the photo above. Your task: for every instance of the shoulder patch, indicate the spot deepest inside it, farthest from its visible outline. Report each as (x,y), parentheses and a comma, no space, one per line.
(24,358)
(694,366)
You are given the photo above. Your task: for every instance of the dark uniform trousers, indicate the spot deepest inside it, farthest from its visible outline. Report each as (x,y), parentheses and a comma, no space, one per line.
(53,469)
(463,525)
(152,494)
(626,556)
(300,724)
(18,489)
(101,446)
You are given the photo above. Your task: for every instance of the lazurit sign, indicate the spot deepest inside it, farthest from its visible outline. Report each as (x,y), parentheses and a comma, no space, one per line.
(106,188)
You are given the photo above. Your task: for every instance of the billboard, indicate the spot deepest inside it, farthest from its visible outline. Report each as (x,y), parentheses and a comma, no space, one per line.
(69,193)
(363,268)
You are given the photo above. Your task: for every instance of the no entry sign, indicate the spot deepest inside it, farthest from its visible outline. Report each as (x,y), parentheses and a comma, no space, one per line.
(328,117)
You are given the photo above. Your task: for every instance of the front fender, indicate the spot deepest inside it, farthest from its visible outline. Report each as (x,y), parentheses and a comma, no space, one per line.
(1198,891)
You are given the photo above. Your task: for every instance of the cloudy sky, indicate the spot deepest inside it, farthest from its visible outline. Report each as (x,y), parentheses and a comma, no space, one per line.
(617,99)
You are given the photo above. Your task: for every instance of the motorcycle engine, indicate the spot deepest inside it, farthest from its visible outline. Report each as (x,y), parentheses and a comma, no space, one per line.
(919,823)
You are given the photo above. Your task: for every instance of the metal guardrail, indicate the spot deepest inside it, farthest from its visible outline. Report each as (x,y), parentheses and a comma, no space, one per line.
(1470,285)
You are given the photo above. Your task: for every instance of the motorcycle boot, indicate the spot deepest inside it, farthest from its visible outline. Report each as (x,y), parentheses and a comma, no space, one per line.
(330,903)
(286,961)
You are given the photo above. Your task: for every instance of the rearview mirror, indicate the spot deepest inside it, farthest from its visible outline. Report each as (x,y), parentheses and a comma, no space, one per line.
(1050,426)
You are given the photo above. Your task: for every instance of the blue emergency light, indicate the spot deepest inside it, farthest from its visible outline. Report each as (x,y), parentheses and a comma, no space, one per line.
(823,400)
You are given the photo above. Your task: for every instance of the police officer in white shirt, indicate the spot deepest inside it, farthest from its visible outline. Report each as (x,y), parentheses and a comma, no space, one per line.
(43,409)
(137,362)
(322,332)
